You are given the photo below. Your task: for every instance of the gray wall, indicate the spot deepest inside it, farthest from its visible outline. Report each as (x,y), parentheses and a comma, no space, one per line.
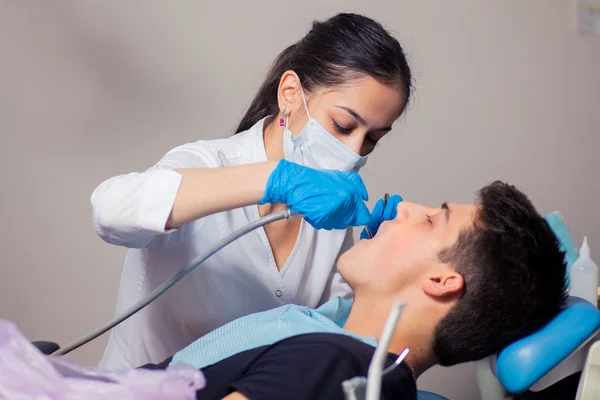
(505,90)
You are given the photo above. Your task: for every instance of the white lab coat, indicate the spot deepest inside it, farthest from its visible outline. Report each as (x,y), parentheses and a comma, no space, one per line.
(131,210)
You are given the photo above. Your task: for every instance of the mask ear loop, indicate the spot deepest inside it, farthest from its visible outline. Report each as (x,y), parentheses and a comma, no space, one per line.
(304,99)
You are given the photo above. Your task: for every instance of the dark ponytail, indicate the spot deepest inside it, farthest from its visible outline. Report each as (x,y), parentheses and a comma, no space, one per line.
(333,52)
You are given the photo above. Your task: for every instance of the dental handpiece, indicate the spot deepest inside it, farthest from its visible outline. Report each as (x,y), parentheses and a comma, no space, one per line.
(385,200)
(267,219)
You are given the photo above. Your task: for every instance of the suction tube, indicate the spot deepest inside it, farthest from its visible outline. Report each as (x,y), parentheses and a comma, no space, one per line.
(267,219)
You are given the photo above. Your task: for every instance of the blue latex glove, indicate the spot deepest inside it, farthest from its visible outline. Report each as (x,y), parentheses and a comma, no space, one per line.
(380,214)
(328,199)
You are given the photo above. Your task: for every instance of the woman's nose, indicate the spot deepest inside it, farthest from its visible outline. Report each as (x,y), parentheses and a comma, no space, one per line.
(355,144)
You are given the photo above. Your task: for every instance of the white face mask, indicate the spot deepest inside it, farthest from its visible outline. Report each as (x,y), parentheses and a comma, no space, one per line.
(316,148)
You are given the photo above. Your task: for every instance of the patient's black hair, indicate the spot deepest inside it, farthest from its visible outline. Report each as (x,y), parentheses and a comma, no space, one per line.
(344,47)
(514,276)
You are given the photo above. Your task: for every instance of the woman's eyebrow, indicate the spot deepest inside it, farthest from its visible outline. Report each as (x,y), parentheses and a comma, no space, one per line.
(361,119)
(354,114)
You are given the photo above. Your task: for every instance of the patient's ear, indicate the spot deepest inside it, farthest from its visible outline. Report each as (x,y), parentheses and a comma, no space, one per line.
(443,283)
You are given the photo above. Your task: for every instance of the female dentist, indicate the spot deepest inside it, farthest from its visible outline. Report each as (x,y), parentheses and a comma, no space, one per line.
(325,103)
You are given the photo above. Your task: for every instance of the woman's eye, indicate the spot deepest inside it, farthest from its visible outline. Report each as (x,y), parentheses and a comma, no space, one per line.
(429,220)
(340,128)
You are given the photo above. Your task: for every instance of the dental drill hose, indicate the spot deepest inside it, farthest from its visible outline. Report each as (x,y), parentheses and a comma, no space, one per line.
(232,237)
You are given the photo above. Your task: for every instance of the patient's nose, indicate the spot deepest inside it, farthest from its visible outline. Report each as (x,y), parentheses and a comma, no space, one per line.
(407,210)
(403,210)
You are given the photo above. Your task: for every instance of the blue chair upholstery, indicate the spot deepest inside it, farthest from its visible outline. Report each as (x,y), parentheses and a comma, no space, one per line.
(423,395)
(523,363)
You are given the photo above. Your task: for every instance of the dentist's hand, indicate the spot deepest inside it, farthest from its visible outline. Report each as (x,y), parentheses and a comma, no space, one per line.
(380,214)
(328,199)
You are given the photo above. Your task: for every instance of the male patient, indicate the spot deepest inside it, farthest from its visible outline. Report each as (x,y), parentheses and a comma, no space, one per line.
(474,277)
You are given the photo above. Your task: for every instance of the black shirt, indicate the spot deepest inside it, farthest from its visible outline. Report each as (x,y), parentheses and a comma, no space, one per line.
(304,367)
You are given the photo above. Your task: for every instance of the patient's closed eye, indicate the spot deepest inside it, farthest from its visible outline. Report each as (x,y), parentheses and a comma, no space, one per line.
(429,220)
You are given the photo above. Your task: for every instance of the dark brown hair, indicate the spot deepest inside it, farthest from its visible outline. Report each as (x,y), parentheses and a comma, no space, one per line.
(514,276)
(335,51)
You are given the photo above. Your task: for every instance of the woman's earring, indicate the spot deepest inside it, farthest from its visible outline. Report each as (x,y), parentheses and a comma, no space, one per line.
(282,119)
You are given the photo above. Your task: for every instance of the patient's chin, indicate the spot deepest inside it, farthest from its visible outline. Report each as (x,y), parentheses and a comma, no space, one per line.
(357,250)
(363,247)
(345,261)
(352,259)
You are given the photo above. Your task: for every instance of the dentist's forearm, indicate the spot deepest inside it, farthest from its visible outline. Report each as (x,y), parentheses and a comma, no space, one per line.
(206,191)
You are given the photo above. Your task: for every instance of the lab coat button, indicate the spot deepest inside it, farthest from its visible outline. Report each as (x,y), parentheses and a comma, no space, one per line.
(278,293)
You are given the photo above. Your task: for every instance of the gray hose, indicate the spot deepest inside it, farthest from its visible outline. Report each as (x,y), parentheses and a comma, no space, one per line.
(232,237)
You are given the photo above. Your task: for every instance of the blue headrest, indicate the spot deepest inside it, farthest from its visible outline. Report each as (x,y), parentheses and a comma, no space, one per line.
(423,395)
(524,362)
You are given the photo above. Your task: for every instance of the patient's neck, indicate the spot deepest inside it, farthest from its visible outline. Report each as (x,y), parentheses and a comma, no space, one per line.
(414,330)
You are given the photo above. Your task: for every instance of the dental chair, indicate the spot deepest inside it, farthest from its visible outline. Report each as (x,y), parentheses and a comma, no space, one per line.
(548,363)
